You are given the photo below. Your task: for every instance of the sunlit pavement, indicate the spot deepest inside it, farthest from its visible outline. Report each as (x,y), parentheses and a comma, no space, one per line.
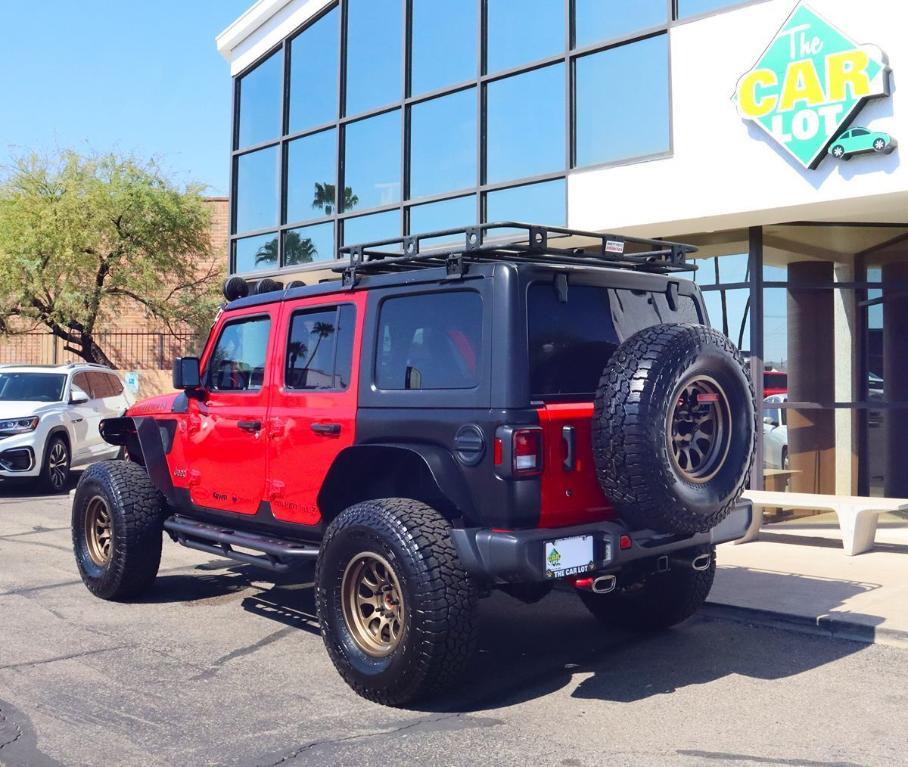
(220,665)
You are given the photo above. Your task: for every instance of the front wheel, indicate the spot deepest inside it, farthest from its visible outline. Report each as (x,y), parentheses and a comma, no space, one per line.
(879,145)
(396,609)
(838,152)
(55,469)
(656,602)
(117,524)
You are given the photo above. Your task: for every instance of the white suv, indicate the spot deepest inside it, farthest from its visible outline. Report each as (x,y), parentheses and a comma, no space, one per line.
(49,419)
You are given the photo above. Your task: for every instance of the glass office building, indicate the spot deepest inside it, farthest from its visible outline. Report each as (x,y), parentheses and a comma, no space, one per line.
(357,120)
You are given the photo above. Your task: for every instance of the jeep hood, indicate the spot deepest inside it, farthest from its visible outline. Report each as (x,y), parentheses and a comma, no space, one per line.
(154,405)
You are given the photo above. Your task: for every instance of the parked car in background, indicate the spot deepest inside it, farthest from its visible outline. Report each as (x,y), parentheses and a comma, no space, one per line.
(775,382)
(775,432)
(49,419)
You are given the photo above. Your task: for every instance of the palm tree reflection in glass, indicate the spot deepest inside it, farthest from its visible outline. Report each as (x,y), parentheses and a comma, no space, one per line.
(297,349)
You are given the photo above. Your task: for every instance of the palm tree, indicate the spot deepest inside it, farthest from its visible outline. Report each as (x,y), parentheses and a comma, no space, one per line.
(326,197)
(322,330)
(267,254)
(298,250)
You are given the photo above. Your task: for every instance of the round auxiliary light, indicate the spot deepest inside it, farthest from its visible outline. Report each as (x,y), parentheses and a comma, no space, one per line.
(268,286)
(234,288)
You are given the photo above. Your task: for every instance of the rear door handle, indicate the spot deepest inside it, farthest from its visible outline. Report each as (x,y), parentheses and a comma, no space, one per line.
(252,426)
(330,429)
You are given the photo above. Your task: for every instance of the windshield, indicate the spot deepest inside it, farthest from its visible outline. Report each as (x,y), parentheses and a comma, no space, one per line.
(31,387)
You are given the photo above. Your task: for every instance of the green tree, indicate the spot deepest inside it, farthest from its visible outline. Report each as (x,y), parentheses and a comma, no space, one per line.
(326,197)
(83,237)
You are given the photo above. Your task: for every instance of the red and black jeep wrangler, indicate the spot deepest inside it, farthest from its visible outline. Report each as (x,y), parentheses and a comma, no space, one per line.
(532,406)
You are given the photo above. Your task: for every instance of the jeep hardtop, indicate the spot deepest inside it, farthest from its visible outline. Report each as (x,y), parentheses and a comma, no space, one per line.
(519,407)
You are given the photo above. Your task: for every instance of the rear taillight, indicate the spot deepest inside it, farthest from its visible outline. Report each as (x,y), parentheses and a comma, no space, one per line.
(518,451)
(527,453)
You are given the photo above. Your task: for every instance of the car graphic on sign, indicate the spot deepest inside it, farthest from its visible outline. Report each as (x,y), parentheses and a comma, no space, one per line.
(859,140)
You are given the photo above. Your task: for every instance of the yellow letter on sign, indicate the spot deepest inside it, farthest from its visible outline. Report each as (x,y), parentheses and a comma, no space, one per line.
(754,106)
(848,68)
(802,83)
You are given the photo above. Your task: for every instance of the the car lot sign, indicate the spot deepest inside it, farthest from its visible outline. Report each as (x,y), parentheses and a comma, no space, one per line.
(809,84)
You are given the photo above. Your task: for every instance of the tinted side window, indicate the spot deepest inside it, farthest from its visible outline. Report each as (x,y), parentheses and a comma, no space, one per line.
(430,341)
(238,360)
(320,349)
(100,385)
(569,343)
(115,384)
(82,381)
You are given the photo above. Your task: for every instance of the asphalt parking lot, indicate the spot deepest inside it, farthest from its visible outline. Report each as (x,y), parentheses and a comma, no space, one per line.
(222,665)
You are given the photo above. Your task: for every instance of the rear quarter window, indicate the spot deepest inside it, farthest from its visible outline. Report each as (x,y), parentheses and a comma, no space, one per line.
(429,341)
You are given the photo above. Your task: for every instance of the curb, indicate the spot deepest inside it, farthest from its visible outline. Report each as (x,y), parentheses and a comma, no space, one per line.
(836,626)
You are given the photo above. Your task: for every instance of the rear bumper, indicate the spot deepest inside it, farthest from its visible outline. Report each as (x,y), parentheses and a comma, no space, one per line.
(517,556)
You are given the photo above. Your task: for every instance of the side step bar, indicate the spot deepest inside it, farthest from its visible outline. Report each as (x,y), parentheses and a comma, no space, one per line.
(277,554)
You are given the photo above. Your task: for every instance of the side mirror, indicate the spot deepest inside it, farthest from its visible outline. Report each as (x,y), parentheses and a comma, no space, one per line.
(77,396)
(770,421)
(413,378)
(186,373)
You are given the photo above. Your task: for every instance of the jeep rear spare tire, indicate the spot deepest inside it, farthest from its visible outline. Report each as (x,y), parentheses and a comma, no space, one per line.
(673,429)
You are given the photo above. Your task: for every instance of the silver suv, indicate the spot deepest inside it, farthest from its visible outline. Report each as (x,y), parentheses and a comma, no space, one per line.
(49,419)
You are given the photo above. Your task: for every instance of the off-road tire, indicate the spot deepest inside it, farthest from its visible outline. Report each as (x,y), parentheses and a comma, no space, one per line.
(136,511)
(49,479)
(631,428)
(439,628)
(656,602)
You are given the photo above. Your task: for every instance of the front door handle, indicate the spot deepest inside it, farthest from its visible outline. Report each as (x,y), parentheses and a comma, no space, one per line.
(252,426)
(329,429)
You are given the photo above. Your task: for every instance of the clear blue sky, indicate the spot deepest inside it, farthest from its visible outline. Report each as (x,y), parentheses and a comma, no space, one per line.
(133,76)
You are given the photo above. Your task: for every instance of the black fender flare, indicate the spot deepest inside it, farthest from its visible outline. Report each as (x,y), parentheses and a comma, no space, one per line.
(142,435)
(358,469)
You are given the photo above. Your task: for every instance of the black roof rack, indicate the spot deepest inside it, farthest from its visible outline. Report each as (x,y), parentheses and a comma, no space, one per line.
(516,242)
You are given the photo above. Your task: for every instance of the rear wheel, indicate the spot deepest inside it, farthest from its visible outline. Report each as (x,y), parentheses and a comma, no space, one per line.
(397,610)
(658,601)
(117,523)
(55,469)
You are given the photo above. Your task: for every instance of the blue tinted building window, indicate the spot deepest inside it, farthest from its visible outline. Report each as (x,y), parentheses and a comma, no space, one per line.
(622,102)
(377,226)
(447,214)
(443,144)
(260,94)
(688,8)
(521,31)
(597,20)
(443,50)
(253,253)
(308,244)
(544,203)
(313,74)
(374,54)
(525,132)
(312,176)
(257,189)
(372,161)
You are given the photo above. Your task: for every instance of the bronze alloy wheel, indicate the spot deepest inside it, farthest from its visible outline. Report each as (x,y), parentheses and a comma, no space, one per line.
(373,604)
(699,433)
(98,531)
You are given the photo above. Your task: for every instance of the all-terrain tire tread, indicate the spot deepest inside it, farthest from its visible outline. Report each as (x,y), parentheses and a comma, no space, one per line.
(138,511)
(625,428)
(445,592)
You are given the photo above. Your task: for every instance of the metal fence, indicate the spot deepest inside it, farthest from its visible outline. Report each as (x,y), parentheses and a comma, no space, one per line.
(128,350)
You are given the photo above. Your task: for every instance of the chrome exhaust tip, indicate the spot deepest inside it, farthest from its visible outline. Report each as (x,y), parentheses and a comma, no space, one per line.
(701,562)
(604,584)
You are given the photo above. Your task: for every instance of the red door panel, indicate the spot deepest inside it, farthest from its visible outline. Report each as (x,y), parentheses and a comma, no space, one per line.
(312,416)
(225,442)
(570,496)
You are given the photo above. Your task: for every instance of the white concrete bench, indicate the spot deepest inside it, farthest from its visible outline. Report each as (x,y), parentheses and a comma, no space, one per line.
(857,516)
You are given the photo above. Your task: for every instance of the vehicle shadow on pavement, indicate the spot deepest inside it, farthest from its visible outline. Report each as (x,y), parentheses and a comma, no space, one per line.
(29,489)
